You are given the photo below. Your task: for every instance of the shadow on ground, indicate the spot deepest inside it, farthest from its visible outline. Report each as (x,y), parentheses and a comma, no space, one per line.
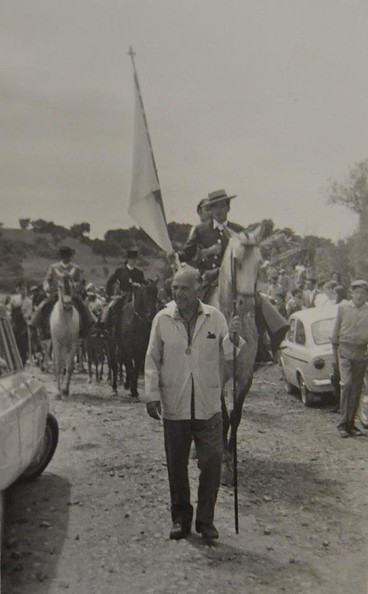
(36,524)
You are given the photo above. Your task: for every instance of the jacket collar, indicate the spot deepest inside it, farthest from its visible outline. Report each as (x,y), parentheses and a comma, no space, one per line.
(172,310)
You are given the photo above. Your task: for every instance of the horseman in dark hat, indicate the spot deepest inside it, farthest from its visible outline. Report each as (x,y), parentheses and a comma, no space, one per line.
(50,285)
(120,285)
(208,241)
(205,249)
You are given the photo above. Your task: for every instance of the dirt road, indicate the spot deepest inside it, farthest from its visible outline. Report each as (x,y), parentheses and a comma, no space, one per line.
(97,521)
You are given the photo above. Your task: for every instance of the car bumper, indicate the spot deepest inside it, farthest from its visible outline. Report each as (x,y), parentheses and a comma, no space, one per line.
(321,385)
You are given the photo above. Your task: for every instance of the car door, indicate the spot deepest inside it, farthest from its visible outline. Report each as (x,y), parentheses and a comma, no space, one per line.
(21,400)
(300,351)
(288,363)
(10,442)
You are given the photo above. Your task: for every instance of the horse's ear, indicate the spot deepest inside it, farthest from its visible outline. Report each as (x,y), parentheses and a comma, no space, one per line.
(256,235)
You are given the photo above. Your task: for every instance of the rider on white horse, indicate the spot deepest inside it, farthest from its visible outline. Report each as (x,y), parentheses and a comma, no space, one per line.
(207,242)
(64,267)
(205,249)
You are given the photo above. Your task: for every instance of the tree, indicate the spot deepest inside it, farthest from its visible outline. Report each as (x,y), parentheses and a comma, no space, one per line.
(353,194)
(24,223)
(79,229)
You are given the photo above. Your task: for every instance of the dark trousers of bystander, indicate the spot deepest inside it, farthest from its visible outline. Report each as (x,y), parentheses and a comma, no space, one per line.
(207,435)
(352,366)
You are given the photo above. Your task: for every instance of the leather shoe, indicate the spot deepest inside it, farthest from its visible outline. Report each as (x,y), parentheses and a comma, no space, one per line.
(355,431)
(179,531)
(208,531)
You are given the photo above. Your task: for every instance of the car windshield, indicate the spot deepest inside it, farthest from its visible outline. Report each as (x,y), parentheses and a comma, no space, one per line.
(322,330)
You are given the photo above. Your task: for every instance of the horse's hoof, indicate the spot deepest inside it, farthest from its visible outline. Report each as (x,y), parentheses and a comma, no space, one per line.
(65,392)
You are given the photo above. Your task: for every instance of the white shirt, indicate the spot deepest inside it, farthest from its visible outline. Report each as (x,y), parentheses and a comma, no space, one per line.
(219,226)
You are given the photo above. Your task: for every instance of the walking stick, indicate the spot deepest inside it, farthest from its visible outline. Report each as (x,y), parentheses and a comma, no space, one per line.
(235,453)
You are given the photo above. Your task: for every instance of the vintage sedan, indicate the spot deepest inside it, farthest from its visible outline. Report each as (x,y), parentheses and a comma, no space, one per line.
(28,432)
(306,353)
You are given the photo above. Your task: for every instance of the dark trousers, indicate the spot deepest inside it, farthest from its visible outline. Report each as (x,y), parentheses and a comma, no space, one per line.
(352,366)
(207,437)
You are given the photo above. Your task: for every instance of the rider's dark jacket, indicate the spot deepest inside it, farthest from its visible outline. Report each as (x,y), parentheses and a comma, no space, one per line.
(204,236)
(124,277)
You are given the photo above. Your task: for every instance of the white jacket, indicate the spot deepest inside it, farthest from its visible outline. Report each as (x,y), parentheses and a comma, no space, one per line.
(170,370)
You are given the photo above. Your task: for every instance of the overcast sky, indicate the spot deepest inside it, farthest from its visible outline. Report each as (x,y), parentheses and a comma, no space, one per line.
(265,98)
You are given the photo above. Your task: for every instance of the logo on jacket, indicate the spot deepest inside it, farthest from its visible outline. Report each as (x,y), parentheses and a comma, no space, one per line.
(210,335)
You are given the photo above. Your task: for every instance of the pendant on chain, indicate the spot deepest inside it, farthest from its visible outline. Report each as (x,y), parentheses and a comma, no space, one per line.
(188,350)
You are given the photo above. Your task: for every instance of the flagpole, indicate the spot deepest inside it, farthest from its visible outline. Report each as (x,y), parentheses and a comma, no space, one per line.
(131,53)
(146,205)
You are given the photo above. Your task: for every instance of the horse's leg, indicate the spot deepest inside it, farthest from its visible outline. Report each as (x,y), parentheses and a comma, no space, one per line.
(113,368)
(89,362)
(69,363)
(96,363)
(58,368)
(134,381)
(227,477)
(226,471)
(100,376)
(121,374)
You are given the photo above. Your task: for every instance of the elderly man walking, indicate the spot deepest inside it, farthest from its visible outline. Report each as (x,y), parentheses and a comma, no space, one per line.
(182,374)
(349,342)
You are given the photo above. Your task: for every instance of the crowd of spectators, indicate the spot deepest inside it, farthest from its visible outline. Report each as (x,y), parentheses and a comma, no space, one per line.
(300,288)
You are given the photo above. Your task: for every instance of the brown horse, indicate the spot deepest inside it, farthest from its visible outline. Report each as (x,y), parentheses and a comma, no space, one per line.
(130,332)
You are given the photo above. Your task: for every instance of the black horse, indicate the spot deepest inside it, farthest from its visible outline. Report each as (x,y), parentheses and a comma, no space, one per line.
(20,332)
(130,331)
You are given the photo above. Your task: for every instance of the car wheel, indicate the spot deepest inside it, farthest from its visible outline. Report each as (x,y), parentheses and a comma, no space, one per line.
(306,395)
(290,389)
(45,452)
(363,411)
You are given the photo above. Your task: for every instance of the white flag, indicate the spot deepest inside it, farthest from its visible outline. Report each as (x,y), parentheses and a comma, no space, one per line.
(145,204)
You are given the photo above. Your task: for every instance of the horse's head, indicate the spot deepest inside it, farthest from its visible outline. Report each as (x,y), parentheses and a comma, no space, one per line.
(65,289)
(245,248)
(145,300)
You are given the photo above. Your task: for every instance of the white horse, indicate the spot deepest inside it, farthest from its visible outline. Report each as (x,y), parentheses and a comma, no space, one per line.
(244,247)
(64,328)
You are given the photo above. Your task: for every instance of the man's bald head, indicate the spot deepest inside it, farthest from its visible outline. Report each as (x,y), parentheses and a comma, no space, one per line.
(188,274)
(186,288)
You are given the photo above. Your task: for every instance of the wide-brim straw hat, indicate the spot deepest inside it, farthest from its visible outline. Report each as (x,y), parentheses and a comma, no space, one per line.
(218,196)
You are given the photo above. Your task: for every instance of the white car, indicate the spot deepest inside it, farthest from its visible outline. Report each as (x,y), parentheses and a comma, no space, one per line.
(28,432)
(306,353)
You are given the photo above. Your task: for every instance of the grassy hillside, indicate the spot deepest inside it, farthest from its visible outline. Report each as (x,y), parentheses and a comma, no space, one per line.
(26,255)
